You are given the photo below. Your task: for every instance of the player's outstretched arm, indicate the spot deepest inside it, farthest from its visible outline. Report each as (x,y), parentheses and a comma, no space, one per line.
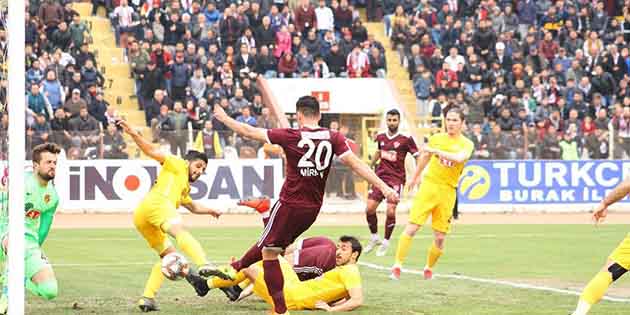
(621,191)
(242,129)
(355,300)
(364,171)
(144,145)
(458,157)
(197,208)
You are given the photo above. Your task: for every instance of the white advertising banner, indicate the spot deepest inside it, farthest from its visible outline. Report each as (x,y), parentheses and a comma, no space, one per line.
(119,185)
(339,96)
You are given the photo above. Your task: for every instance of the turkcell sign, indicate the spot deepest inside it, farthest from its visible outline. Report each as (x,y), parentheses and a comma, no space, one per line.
(540,181)
(120,184)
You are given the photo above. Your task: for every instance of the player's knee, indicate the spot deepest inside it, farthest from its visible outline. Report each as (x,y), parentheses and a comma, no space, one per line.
(48,290)
(439,240)
(616,271)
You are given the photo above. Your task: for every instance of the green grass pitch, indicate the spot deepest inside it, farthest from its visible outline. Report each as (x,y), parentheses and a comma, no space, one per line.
(103,271)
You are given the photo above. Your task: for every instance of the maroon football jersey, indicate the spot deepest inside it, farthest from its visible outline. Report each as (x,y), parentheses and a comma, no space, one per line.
(309,155)
(393,152)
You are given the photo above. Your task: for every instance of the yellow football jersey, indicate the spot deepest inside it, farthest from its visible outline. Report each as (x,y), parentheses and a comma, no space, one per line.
(443,171)
(330,287)
(172,182)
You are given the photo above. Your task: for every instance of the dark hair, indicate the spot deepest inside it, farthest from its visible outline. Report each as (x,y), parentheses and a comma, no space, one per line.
(393,112)
(356,245)
(44,147)
(308,106)
(193,155)
(454,109)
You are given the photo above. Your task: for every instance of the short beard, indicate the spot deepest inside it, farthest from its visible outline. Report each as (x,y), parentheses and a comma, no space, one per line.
(45,176)
(393,130)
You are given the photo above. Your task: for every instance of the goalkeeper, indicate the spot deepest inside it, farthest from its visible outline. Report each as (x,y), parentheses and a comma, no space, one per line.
(40,203)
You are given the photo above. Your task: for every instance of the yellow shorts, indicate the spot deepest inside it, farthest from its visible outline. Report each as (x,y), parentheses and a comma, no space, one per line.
(436,200)
(621,254)
(291,285)
(152,219)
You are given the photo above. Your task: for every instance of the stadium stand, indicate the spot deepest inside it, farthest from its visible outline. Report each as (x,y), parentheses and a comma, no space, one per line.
(536,79)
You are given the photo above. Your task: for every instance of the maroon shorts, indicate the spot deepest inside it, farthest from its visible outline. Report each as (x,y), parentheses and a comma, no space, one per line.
(377,195)
(286,223)
(313,256)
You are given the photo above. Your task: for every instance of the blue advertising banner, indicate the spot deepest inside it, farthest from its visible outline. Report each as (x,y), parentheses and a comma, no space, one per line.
(540,181)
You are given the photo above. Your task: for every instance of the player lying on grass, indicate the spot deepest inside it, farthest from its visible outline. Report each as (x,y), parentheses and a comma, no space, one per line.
(389,159)
(157,216)
(309,152)
(310,257)
(446,155)
(618,262)
(40,204)
(338,289)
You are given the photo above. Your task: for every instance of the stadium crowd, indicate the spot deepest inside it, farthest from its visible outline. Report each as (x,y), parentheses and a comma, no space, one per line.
(536,79)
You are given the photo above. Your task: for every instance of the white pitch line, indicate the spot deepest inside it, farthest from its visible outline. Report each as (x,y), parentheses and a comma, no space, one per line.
(495,282)
(217,238)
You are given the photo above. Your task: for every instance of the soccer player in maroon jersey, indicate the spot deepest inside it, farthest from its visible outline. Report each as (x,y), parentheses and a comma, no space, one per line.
(392,150)
(309,151)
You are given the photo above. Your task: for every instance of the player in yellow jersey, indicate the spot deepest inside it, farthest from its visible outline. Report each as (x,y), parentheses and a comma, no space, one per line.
(618,262)
(445,154)
(157,216)
(337,290)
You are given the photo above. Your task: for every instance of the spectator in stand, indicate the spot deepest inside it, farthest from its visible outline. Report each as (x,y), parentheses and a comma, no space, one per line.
(90,75)
(84,129)
(123,18)
(358,63)
(98,107)
(287,66)
(50,15)
(113,144)
(266,120)
(41,130)
(304,62)
(37,103)
(181,73)
(343,16)
(480,141)
(210,140)
(336,62)
(320,68)
(283,42)
(75,103)
(60,129)
(305,17)
(378,65)
(325,19)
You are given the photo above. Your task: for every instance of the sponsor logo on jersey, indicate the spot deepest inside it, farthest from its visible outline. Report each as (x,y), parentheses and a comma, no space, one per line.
(396,144)
(33,214)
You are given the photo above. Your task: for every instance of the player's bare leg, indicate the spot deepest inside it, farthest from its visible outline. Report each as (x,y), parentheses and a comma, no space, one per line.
(433,253)
(597,287)
(390,223)
(147,302)
(273,278)
(372,220)
(403,248)
(191,247)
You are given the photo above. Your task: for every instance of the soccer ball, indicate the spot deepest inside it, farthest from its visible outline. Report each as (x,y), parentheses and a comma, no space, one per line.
(175,266)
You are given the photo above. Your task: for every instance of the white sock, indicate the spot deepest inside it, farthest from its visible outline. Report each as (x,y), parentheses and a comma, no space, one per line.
(375,237)
(385,242)
(582,308)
